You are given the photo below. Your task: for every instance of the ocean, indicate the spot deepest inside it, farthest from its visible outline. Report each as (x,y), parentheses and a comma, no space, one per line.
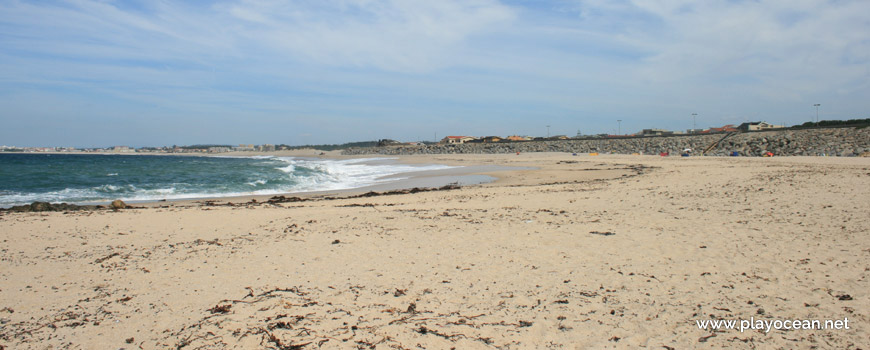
(97,178)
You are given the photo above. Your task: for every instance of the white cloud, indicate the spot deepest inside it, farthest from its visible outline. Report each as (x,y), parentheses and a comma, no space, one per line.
(393,35)
(585,62)
(782,48)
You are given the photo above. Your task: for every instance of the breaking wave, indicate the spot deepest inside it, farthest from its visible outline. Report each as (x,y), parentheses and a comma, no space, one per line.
(160,177)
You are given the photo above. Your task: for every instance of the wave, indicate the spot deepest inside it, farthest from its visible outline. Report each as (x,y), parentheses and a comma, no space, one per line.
(288,169)
(349,173)
(255,183)
(280,175)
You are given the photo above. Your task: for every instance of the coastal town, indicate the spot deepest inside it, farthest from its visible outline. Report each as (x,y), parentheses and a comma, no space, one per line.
(453,139)
(748,126)
(753,139)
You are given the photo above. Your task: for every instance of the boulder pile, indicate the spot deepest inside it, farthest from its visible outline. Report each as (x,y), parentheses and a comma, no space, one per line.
(848,141)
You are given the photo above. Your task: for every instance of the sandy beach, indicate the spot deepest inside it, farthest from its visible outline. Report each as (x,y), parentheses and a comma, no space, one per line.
(610,251)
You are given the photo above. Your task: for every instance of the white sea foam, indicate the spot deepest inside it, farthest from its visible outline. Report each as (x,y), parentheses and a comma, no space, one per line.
(65,195)
(95,196)
(257,182)
(304,175)
(350,173)
(288,169)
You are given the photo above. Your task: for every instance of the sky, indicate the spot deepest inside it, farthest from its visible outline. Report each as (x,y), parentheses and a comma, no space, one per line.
(86,73)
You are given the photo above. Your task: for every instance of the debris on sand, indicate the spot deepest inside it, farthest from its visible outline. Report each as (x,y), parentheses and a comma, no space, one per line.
(447,187)
(46,206)
(607,233)
(282,199)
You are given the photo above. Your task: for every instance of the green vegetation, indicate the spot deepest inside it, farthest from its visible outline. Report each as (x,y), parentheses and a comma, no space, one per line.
(850,122)
(331,147)
(203,146)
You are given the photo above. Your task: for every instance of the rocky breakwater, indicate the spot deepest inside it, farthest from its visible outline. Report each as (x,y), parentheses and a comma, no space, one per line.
(810,142)
(841,142)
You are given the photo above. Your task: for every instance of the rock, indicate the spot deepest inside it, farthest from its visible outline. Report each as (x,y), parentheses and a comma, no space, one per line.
(830,141)
(118,204)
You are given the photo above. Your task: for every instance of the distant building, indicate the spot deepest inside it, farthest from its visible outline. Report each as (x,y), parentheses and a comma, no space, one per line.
(218,149)
(488,139)
(266,148)
(726,128)
(655,132)
(123,149)
(756,126)
(244,148)
(517,138)
(456,139)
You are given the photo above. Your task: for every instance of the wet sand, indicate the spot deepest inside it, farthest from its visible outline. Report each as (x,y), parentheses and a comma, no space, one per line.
(588,252)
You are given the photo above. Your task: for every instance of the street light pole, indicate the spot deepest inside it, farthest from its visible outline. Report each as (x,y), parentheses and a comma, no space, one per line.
(694,128)
(548,131)
(817,112)
(619,121)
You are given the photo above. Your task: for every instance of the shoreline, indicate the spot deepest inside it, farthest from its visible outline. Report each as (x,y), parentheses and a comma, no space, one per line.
(476,170)
(458,174)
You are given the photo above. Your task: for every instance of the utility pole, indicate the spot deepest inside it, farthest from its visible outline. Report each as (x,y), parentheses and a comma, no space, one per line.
(548,131)
(693,122)
(619,122)
(817,112)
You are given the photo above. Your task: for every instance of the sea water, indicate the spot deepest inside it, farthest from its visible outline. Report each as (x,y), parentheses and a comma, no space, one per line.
(97,178)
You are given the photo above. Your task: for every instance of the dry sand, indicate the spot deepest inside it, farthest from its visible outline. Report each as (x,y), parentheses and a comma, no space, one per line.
(585,252)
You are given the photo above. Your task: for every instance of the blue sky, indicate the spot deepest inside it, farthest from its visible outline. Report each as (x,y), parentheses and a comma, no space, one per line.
(150,73)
